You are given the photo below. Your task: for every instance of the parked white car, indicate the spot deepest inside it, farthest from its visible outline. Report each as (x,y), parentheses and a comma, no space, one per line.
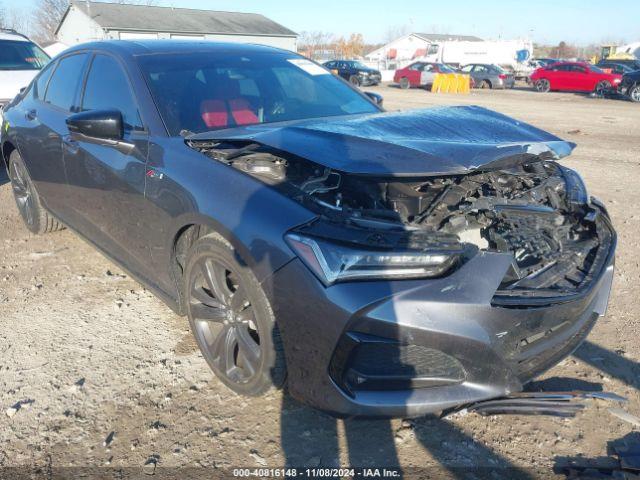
(20,61)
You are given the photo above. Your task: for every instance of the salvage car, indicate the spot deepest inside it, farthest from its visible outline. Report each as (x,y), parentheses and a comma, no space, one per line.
(574,77)
(489,76)
(630,85)
(355,72)
(379,263)
(419,74)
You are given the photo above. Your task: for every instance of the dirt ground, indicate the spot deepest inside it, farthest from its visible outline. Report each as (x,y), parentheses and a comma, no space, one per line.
(96,371)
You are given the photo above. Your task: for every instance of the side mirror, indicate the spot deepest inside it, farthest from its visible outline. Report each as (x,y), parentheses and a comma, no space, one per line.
(375,98)
(102,124)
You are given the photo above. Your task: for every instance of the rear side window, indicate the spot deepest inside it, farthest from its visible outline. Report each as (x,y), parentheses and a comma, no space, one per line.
(108,88)
(43,79)
(65,81)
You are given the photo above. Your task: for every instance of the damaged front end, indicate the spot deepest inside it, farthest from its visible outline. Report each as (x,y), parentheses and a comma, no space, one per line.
(390,227)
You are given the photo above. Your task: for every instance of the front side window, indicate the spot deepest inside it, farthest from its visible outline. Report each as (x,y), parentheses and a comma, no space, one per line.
(108,88)
(64,83)
(202,91)
(17,55)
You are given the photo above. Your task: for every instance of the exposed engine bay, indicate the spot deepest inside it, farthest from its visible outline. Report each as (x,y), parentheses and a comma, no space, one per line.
(537,210)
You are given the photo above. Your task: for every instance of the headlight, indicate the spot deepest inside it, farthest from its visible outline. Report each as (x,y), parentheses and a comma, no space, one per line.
(334,262)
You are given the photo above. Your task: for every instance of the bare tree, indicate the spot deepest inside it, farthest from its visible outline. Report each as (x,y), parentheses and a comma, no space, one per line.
(14,18)
(316,45)
(46,17)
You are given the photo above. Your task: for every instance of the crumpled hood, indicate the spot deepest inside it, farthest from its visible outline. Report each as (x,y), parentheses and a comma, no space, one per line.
(434,141)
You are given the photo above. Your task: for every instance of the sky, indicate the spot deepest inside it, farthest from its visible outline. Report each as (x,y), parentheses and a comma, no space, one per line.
(544,21)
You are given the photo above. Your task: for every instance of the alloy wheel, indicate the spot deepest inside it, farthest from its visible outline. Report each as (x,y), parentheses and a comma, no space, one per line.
(634,93)
(224,321)
(543,85)
(22,192)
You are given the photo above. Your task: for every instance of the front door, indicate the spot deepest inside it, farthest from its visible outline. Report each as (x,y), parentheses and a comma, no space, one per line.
(106,180)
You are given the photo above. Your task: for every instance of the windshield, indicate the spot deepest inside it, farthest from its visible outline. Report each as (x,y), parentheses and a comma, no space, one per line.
(202,91)
(359,65)
(16,55)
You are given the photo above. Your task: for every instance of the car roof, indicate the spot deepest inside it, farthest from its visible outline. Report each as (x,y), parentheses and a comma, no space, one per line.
(7,35)
(150,47)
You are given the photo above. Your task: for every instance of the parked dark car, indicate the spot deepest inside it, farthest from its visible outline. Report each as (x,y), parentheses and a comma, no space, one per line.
(630,85)
(489,76)
(355,72)
(615,67)
(633,64)
(382,264)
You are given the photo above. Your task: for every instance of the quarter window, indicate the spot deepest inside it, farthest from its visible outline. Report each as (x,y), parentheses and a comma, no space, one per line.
(65,81)
(43,78)
(108,89)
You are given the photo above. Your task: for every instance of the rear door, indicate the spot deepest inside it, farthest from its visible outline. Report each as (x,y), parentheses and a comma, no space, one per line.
(55,97)
(582,79)
(106,181)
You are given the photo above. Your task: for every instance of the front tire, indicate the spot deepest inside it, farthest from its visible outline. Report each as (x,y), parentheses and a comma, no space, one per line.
(602,87)
(34,215)
(404,83)
(542,85)
(486,84)
(634,93)
(354,80)
(231,319)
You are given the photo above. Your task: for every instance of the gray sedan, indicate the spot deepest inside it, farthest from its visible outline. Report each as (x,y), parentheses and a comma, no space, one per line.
(489,76)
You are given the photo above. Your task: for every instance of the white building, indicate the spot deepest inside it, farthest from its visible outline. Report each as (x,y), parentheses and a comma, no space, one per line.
(86,21)
(401,51)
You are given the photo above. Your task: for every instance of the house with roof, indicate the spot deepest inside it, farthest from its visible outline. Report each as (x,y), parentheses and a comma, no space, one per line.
(86,21)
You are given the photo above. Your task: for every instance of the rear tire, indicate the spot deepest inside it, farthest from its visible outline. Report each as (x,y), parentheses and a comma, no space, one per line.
(231,319)
(542,85)
(634,93)
(404,83)
(34,215)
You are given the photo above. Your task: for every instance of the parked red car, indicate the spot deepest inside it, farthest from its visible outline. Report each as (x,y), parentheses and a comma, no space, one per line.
(574,76)
(419,74)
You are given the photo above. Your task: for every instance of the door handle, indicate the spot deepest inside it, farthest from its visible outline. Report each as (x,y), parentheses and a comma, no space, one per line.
(31,114)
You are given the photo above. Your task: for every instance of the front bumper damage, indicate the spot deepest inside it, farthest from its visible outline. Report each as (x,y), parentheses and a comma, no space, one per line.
(406,348)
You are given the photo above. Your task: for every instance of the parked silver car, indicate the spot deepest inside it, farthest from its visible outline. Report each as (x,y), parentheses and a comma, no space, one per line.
(489,76)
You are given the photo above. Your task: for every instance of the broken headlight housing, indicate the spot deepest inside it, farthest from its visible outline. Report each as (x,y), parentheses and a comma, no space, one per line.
(335,262)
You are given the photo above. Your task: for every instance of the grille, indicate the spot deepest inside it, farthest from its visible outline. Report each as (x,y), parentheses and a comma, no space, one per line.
(532,367)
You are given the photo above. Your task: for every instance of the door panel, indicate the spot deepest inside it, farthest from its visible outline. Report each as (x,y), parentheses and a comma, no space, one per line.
(106,178)
(45,115)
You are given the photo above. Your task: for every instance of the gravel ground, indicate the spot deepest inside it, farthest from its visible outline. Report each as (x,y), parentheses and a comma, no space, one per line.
(97,372)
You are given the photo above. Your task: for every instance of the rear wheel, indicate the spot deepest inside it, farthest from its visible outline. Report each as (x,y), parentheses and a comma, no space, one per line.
(404,83)
(634,93)
(231,319)
(602,87)
(542,85)
(35,217)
